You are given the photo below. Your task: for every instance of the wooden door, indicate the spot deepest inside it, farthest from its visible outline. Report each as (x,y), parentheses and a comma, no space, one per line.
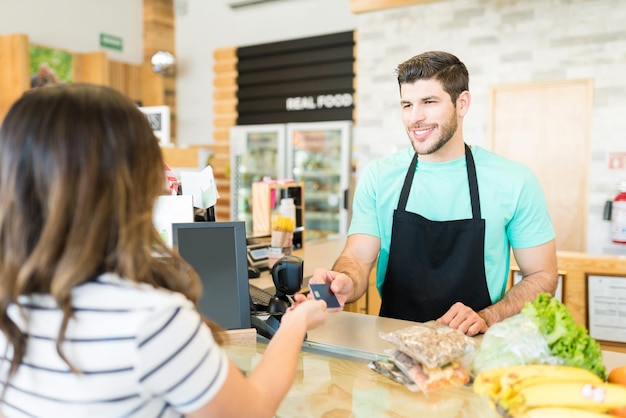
(547,126)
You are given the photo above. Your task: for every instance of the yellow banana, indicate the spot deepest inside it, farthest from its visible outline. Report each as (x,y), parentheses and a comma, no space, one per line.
(504,382)
(518,378)
(560,412)
(487,382)
(594,397)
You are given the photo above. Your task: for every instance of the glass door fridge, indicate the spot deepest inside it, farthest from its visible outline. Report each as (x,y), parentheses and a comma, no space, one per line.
(256,152)
(318,154)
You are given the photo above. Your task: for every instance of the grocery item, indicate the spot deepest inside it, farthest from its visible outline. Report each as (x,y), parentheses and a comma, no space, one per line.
(562,412)
(500,382)
(543,333)
(518,391)
(428,356)
(618,375)
(514,340)
(567,340)
(431,343)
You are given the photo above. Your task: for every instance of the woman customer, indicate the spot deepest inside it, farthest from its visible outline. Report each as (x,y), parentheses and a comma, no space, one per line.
(98,315)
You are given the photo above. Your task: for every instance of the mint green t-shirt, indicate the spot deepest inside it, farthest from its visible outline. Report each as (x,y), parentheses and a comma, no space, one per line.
(511,202)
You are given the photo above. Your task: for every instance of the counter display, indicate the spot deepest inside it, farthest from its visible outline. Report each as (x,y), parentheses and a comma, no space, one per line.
(329,386)
(334,379)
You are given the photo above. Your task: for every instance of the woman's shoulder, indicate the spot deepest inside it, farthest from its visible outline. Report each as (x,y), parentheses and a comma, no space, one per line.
(110,290)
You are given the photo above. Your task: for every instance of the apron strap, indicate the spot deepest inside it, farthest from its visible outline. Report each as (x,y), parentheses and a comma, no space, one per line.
(473,182)
(406,188)
(471,177)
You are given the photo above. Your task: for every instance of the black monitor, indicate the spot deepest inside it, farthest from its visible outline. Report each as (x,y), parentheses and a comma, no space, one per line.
(218,253)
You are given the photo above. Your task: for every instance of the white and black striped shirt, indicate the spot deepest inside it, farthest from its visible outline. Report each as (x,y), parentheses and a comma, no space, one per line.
(142,352)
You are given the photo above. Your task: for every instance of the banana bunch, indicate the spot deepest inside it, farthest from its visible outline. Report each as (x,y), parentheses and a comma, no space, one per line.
(539,390)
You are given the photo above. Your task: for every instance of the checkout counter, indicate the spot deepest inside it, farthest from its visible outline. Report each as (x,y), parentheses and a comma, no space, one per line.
(334,379)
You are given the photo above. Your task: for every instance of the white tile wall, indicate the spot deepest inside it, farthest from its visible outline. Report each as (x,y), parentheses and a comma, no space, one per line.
(502,41)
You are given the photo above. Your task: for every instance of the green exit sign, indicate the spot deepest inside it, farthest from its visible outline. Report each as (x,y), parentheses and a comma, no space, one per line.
(111,41)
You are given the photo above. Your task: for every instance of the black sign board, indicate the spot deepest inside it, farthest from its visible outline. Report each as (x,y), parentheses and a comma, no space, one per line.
(303,80)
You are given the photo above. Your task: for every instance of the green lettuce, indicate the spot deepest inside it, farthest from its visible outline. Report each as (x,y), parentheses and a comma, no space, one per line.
(566,340)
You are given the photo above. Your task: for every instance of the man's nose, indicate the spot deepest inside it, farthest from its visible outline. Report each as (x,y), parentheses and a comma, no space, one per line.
(417,114)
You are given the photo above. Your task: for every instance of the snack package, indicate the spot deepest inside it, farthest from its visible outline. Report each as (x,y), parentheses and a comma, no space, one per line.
(429,356)
(431,344)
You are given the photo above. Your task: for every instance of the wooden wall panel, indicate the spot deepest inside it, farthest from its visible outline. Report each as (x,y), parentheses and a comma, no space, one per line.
(158,34)
(133,81)
(151,87)
(14,71)
(224,117)
(138,82)
(91,67)
(181,157)
(125,78)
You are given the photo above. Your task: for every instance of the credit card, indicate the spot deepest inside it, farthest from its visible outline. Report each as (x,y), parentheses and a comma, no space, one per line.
(322,291)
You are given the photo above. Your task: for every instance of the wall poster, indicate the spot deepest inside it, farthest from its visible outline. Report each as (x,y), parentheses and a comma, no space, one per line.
(50,66)
(607,308)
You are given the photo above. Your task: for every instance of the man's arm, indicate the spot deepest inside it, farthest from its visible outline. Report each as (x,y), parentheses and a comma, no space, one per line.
(349,276)
(539,275)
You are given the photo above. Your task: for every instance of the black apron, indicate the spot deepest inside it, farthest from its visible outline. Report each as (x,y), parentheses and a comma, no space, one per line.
(433,264)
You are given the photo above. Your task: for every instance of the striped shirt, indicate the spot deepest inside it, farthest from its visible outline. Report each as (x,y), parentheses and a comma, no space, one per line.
(141,351)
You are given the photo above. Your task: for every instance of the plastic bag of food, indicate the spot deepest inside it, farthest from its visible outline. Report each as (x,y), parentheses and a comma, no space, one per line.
(431,344)
(514,340)
(429,356)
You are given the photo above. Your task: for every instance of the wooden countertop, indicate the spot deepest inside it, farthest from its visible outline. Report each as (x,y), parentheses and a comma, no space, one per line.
(328,386)
(357,335)
(334,379)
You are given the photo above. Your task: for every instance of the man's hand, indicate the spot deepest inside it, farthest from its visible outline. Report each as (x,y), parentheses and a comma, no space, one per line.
(465,319)
(340,284)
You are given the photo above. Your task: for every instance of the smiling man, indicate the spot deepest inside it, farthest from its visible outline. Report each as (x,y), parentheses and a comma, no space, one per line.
(440,217)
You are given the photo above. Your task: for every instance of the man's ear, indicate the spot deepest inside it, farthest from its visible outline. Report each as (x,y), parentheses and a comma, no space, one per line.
(463,103)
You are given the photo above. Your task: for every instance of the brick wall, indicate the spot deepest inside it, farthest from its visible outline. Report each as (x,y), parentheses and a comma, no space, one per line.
(501,42)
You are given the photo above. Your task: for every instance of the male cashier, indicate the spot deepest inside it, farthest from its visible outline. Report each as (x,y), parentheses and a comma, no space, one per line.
(440,217)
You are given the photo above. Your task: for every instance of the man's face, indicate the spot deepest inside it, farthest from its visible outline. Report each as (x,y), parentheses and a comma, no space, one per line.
(430,118)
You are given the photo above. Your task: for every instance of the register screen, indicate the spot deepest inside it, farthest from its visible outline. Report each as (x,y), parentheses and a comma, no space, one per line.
(217,251)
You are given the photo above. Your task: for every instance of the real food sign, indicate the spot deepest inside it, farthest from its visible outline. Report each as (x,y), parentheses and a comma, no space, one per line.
(321,101)
(303,80)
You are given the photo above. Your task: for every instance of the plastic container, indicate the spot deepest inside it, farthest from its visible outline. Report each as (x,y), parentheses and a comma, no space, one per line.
(618,215)
(282,227)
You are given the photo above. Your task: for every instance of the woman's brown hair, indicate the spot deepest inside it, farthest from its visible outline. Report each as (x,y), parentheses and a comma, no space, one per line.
(80,169)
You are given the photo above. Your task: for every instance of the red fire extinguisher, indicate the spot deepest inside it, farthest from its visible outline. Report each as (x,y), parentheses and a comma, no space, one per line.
(618,215)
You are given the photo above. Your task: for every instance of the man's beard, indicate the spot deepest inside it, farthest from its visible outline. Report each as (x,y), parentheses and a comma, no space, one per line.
(447,132)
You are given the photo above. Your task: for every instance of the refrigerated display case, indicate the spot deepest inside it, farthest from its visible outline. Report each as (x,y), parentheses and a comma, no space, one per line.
(316,154)
(256,152)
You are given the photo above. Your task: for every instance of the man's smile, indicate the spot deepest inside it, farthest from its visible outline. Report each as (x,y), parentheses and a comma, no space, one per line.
(422,133)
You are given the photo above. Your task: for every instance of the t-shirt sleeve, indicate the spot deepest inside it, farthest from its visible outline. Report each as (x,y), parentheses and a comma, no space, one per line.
(179,360)
(531,224)
(364,215)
